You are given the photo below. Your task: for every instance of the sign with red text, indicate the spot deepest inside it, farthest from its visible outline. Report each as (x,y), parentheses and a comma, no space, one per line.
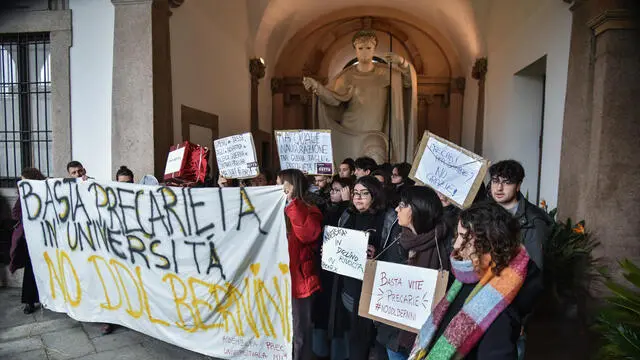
(236,156)
(344,251)
(309,151)
(201,268)
(401,295)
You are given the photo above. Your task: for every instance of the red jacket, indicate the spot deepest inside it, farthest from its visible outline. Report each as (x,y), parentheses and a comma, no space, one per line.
(303,235)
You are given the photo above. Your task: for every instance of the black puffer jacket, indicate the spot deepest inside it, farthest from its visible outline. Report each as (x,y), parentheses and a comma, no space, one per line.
(535,229)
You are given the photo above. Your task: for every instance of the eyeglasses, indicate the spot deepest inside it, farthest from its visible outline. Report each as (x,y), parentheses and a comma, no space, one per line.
(361,194)
(403,205)
(503,181)
(335,190)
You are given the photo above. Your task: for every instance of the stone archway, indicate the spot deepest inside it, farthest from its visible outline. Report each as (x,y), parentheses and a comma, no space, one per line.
(321,50)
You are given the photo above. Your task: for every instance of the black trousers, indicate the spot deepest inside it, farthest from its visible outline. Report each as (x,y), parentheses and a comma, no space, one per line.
(29,287)
(302,326)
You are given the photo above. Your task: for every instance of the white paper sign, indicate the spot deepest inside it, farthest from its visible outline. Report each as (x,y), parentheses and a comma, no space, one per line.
(448,170)
(402,293)
(344,251)
(204,269)
(236,156)
(307,150)
(174,161)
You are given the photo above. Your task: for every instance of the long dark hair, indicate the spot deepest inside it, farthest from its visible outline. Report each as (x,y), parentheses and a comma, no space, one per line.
(495,230)
(426,207)
(299,181)
(378,199)
(32,173)
(404,169)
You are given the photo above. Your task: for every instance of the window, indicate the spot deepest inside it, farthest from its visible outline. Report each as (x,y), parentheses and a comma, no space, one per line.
(25,105)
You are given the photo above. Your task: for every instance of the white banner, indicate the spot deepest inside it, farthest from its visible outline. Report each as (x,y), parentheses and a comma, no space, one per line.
(204,269)
(403,294)
(309,151)
(236,156)
(344,251)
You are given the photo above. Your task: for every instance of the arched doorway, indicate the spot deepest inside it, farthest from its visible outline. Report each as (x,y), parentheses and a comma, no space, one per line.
(323,48)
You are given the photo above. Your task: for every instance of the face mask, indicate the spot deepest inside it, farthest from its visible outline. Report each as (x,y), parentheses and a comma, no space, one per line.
(463,271)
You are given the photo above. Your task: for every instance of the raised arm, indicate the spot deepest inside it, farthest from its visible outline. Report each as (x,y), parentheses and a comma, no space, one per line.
(340,93)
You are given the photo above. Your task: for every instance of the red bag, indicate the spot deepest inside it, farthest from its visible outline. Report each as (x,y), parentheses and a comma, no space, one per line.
(186,164)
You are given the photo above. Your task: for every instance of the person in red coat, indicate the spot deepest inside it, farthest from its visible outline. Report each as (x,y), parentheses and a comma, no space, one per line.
(304,226)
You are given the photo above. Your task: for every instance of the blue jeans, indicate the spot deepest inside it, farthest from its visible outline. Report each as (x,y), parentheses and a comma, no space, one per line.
(393,355)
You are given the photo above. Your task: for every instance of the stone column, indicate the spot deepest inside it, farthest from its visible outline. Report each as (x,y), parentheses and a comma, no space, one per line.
(142,121)
(456,105)
(600,167)
(479,73)
(257,71)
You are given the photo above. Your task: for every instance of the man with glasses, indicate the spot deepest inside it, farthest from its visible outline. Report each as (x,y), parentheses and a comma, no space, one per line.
(506,179)
(535,224)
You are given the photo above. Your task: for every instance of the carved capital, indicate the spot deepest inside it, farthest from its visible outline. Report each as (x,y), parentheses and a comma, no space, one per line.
(277,85)
(257,68)
(458,85)
(479,70)
(615,19)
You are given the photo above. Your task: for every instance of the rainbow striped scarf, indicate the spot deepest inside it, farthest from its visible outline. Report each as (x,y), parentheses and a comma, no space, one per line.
(483,305)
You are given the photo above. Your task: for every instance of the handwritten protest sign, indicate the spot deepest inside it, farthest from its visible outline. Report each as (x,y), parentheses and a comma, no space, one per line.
(205,269)
(236,156)
(307,150)
(344,251)
(401,295)
(455,172)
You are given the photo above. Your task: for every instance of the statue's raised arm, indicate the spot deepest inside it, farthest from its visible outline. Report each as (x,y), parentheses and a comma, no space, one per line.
(336,95)
(355,104)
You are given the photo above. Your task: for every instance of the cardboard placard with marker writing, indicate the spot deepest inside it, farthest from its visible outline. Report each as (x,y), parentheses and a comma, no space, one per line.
(309,151)
(201,268)
(236,156)
(455,172)
(401,295)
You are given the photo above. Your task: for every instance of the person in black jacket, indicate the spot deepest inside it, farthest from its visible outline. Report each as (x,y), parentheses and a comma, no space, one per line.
(496,285)
(420,240)
(367,213)
(330,344)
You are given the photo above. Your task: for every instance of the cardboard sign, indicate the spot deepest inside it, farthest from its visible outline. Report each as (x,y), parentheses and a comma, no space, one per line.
(344,251)
(174,161)
(237,157)
(455,172)
(401,295)
(309,151)
(212,276)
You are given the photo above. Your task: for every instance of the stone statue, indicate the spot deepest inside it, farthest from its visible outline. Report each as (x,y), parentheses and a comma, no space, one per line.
(354,105)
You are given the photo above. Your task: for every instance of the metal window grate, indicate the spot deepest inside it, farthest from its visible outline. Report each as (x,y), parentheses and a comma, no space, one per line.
(25,105)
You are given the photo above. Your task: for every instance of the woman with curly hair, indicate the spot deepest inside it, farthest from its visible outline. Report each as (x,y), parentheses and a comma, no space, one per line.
(496,284)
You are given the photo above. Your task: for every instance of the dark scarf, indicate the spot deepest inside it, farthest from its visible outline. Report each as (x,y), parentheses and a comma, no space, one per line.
(422,247)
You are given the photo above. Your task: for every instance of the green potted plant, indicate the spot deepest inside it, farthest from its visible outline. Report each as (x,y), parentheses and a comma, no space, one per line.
(619,320)
(569,266)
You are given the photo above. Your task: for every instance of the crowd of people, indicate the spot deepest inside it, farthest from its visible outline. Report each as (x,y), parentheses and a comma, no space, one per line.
(493,249)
